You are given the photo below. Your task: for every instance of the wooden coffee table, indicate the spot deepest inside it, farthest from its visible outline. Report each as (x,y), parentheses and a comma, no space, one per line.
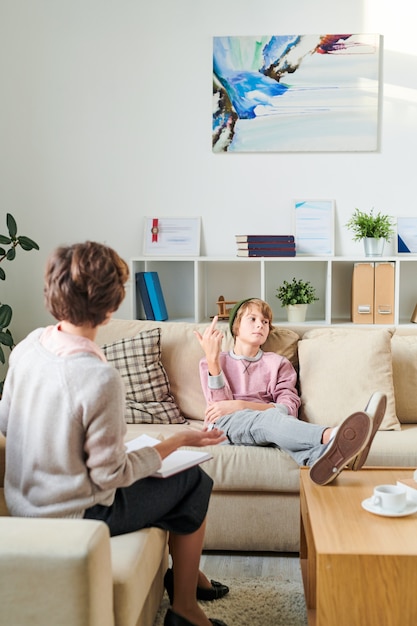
(359,569)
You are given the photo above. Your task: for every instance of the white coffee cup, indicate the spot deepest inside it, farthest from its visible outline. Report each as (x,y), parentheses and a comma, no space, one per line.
(390,497)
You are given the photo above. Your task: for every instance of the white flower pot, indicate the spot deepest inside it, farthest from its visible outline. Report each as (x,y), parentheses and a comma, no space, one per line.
(373,246)
(296,312)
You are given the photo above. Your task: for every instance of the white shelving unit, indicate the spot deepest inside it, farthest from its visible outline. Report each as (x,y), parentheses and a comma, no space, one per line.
(192,286)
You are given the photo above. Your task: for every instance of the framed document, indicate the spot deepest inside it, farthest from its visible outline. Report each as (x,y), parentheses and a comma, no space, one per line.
(314,227)
(172,236)
(406,235)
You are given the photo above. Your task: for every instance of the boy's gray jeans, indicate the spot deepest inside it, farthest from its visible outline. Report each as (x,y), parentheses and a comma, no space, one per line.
(301,440)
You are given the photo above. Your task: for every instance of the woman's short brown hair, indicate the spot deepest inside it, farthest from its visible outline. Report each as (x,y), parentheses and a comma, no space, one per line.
(84,283)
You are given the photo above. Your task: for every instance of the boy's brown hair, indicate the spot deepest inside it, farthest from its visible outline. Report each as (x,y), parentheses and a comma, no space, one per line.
(84,283)
(241,309)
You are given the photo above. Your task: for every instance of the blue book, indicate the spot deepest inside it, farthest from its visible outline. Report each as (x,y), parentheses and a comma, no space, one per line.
(156,296)
(142,291)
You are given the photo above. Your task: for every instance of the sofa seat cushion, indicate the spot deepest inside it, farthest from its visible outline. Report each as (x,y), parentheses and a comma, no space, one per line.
(237,468)
(395,448)
(136,559)
(252,468)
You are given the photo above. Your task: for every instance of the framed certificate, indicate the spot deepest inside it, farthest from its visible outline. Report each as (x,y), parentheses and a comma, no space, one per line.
(406,235)
(172,236)
(314,227)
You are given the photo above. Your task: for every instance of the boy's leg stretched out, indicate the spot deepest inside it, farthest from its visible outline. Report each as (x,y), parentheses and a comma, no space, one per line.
(349,443)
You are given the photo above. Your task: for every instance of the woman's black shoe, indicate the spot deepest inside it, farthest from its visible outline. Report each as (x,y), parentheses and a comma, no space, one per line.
(173,619)
(218,590)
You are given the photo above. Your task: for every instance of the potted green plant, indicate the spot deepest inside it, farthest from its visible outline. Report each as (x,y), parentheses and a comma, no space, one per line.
(296,296)
(373,228)
(12,240)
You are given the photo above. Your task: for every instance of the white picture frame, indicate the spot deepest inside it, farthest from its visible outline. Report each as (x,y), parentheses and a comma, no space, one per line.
(314,227)
(172,236)
(406,239)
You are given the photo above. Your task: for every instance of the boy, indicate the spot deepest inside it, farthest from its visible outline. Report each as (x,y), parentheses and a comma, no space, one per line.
(62,411)
(251,395)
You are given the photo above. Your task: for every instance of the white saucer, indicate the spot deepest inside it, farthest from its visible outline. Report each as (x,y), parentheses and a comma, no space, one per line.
(410,508)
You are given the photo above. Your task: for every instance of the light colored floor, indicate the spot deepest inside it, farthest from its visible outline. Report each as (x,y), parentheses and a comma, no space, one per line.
(251,565)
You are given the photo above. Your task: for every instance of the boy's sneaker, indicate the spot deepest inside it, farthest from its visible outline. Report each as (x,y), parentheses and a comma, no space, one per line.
(351,438)
(376,411)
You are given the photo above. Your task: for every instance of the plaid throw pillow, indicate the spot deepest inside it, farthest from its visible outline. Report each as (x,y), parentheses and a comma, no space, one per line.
(148,396)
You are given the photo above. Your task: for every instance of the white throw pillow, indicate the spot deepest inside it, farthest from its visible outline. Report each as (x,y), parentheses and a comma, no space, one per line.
(339,371)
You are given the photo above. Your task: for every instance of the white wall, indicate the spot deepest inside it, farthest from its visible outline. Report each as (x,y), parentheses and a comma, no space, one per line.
(106,118)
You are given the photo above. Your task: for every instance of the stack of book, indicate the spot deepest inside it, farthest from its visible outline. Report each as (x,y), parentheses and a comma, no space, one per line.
(148,287)
(265,245)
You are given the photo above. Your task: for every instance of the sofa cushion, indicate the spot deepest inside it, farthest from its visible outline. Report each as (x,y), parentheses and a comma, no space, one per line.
(339,371)
(283,341)
(395,449)
(148,396)
(404,366)
(256,469)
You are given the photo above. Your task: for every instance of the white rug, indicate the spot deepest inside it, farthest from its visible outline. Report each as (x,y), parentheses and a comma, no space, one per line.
(255,602)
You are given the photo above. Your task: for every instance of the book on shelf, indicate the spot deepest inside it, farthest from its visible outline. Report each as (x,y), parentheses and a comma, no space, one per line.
(175,462)
(156,296)
(266,245)
(142,293)
(265,238)
(270,252)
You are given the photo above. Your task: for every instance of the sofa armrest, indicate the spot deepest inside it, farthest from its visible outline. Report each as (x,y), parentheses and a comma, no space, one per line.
(55,571)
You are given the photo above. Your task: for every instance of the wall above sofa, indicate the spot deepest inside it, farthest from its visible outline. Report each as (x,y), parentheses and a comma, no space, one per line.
(107,119)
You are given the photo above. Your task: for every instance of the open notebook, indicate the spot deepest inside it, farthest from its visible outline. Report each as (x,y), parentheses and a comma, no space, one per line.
(175,462)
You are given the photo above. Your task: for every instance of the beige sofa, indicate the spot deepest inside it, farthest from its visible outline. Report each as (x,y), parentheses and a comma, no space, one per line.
(77,574)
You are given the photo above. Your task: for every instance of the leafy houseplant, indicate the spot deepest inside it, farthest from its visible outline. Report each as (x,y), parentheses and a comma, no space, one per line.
(12,240)
(296,292)
(365,225)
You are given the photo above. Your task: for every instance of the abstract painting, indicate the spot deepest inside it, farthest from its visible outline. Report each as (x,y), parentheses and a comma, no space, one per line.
(296,93)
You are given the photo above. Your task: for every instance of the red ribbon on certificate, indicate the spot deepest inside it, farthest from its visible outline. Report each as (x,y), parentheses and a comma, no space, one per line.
(155,230)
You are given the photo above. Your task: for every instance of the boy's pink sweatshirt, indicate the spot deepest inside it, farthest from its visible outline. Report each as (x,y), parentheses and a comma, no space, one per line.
(267,377)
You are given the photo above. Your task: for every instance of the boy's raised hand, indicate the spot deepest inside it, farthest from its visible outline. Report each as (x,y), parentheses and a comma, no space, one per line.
(211,342)
(211,339)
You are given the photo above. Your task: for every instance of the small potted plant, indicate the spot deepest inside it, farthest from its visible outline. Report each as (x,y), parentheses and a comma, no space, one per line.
(296,296)
(374,229)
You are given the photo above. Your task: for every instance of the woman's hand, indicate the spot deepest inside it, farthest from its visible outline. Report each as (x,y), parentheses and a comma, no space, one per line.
(195,438)
(204,437)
